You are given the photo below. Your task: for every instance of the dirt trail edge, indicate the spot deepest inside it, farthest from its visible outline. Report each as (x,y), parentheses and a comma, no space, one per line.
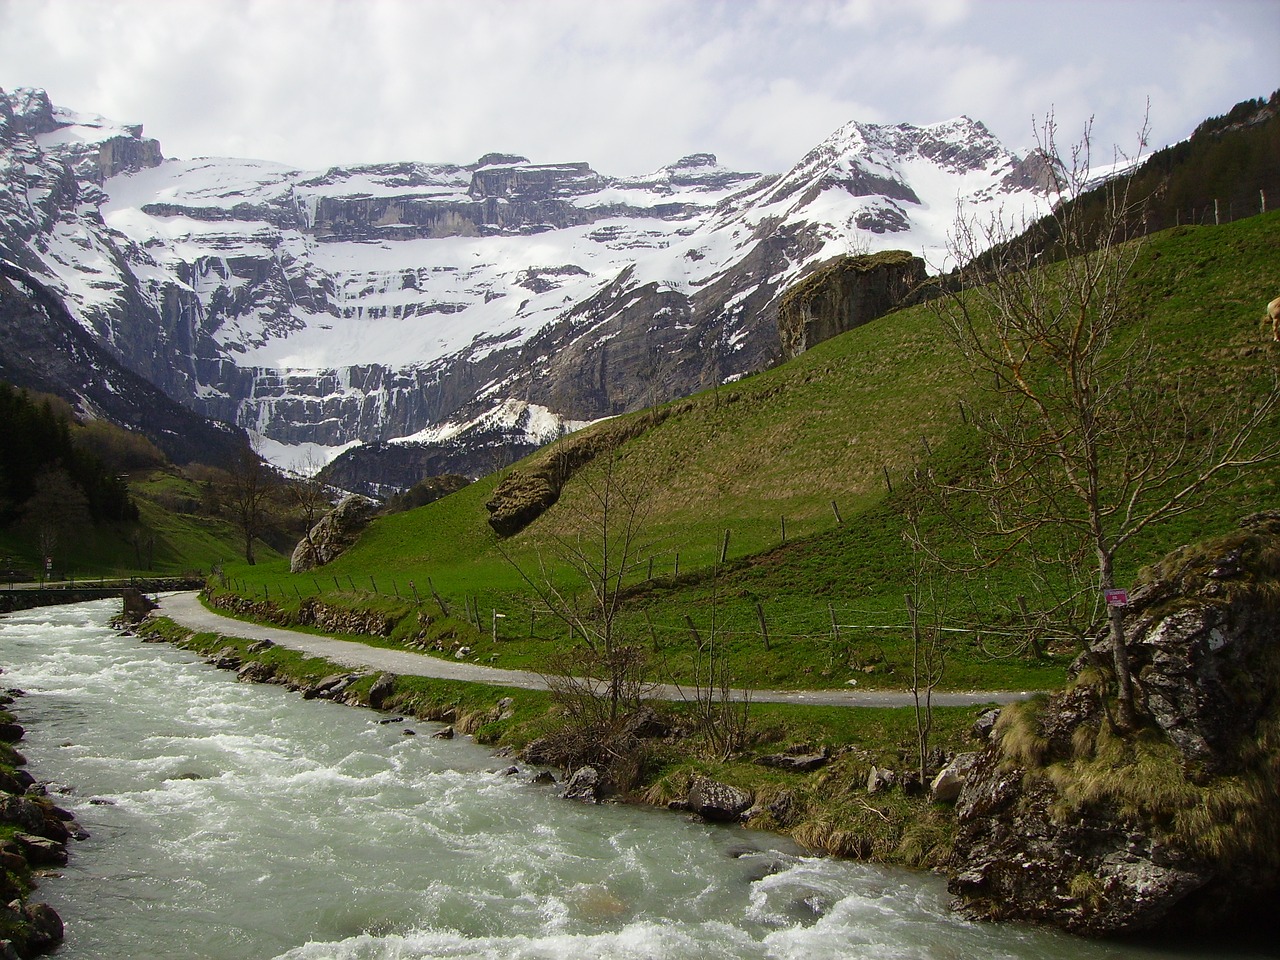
(186,609)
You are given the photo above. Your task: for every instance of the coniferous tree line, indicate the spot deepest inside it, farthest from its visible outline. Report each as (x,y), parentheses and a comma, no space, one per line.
(43,470)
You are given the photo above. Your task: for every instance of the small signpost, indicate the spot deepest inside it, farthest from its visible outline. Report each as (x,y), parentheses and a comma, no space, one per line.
(1116,598)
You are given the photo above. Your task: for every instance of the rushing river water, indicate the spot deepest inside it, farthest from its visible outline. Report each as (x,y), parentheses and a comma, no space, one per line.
(237,821)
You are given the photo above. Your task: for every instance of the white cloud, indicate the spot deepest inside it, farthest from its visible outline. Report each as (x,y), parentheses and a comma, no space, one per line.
(627,84)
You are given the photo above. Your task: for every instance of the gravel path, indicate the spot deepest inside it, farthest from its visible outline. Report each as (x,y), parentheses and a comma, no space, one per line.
(186,609)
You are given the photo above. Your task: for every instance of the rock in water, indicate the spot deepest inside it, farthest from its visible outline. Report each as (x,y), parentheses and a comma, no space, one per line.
(585,785)
(1065,822)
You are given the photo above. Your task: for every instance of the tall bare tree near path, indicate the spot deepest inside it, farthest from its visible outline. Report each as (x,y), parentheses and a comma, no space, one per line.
(600,547)
(249,486)
(1090,439)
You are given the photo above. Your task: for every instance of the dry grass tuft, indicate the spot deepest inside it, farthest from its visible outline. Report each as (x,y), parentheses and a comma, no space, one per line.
(1018,733)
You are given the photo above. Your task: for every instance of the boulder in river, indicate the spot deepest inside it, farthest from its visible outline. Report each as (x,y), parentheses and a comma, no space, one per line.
(585,785)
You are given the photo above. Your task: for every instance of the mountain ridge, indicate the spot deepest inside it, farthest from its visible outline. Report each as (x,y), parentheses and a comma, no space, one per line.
(326,311)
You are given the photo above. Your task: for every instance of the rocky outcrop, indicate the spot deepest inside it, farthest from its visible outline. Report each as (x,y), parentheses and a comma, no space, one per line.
(335,532)
(526,493)
(846,293)
(1064,821)
(950,780)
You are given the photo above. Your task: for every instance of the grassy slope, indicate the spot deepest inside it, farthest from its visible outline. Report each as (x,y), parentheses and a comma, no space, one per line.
(786,443)
(182,538)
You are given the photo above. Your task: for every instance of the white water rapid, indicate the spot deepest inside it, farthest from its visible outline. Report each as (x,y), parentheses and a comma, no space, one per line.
(239,822)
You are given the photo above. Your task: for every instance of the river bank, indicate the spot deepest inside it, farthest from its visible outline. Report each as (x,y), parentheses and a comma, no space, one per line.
(1061,816)
(839,782)
(34,834)
(239,821)
(172,772)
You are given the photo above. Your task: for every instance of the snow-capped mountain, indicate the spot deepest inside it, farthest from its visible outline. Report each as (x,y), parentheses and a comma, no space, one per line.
(424,304)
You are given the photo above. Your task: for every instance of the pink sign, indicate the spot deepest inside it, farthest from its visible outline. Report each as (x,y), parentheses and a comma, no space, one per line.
(1116,598)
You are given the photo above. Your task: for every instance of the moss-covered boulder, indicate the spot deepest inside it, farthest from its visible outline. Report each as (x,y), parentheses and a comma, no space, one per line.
(1171,827)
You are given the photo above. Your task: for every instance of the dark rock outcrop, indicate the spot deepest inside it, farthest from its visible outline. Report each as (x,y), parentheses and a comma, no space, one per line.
(335,532)
(1064,821)
(846,293)
(525,494)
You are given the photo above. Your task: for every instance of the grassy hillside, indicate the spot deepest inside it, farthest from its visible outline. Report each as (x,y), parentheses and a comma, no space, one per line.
(174,534)
(839,425)
(97,499)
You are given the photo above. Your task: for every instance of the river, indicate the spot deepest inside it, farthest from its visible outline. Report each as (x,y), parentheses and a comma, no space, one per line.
(239,822)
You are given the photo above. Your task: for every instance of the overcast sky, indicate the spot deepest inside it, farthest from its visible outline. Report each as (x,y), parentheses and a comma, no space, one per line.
(629,85)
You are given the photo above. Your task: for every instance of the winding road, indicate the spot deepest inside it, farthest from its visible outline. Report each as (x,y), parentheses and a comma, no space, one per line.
(186,609)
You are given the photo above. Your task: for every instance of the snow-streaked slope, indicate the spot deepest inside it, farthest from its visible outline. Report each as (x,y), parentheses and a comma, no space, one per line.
(412,300)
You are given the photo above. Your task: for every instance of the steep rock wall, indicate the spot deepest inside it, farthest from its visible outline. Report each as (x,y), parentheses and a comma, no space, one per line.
(845,293)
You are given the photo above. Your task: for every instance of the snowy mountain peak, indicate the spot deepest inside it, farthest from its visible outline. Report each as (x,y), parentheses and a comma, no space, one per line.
(367,303)
(95,147)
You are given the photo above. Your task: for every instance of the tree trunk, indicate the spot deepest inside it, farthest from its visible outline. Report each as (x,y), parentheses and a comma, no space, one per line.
(1119,649)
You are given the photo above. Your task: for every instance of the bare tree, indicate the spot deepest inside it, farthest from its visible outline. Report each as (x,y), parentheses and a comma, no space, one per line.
(599,545)
(309,496)
(250,483)
(1090,442)
(725,721)
(929,650)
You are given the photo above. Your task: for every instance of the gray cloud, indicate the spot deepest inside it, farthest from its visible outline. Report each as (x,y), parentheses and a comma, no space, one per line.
(627,84)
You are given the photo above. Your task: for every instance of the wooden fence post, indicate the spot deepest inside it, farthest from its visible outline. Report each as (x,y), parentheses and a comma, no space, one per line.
(693,632)
(836,510)
(443,609)
(724,547)
(764,626)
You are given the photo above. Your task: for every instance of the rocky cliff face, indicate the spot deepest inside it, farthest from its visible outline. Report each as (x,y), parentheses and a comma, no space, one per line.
(42,348)
(1169,829)
(393,302)
(846,293)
